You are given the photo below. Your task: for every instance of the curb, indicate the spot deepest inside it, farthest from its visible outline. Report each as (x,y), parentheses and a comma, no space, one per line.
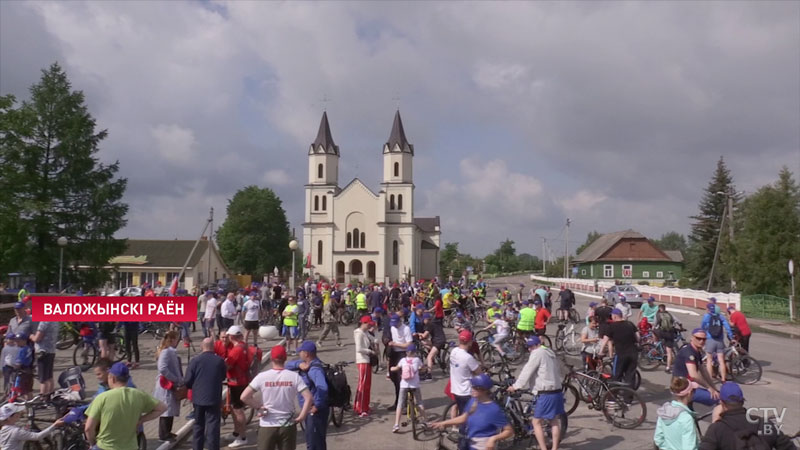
(185,430)
(779,333)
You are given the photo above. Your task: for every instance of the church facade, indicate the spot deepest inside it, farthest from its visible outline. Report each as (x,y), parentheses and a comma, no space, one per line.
(353,233)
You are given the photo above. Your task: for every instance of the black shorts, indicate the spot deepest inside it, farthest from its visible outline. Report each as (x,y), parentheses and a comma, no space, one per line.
(667,337)
(235,393)
(440,345)
(105,330)
(45,365)
(250,324)
(602,330)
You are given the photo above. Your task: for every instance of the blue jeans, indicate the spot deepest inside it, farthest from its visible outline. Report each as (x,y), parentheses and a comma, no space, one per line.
(703,396)
(316,428)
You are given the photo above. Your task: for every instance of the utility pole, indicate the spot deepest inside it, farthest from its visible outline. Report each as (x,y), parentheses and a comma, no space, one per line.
(566,252)
(716,252)
(730,228)
(210,234)
(544,255)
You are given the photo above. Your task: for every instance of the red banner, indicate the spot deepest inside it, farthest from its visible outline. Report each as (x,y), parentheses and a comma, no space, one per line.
(114,309)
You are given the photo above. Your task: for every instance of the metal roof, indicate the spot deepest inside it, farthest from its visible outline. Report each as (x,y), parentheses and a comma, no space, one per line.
(427,224)
(397,138)
(602,244)
(674,255)
(162,253)
(324,141)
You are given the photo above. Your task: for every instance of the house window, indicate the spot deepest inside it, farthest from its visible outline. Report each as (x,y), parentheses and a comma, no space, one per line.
(397,169)
(363,241)
(172,275)
(395,252)
(349,239)
(125,279)
(324,203)
(150,278)
(319,253)
(391,202)
(659,274)
(627,271)
(608,271)
(583,271)
(400,202)
(645,274)
(316,203)
(355,238)
(319,171)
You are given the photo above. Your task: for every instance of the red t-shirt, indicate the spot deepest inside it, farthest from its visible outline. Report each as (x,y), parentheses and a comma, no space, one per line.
(739,321)
(221,349)
(438,309)
(542,317)
(237,365)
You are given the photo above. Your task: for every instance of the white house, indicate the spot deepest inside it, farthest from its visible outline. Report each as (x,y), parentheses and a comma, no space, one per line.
(353,233)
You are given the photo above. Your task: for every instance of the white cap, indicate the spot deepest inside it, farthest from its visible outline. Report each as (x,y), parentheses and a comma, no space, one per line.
(235,330)
(9,409)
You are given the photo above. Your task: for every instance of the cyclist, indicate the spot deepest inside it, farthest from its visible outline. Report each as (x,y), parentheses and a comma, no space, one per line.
(649,310)
(688,364)
(501,331)
(409,367)
(463,366)
(14,437)
(238,365)
(23,364)
(210,314)
(665,331)
(741,329)
(716,327)
(45,337)
(541,319)
(624,336)
(675,427)
(542,375)
(434,339)
(484,420)
(461,322)
(361,304)
(590,311)
(330,316)
(21,322)
(590,337)
(490,313)
(566,301)
(7,358)
(527,319)
(622,305)
(415,322)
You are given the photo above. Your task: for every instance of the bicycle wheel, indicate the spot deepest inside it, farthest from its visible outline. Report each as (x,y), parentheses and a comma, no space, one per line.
(546,341)
(119,349)
(481,336)
(91,355)
(571,399)
(745,369)
(623,407)
(559,340)
(411,413)
(337,416)
(66,338)
(249,413)
(649,357)
(444,360)
(572,343)
(637,380)
(449,412)
(574,316)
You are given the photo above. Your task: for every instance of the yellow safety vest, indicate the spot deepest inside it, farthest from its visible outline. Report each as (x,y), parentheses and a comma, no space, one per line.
(291,319)
(361,301)
(527,319)
(490,314)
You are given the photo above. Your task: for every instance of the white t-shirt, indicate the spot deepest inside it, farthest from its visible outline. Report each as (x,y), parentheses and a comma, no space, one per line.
(228,309)
(502,328)
(252,309)
(278,389)
(462,364)
(211,308)
(402,335)
(625,308)
(415,364)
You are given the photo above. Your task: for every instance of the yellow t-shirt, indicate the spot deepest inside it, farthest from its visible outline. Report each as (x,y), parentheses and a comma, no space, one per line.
(446,300)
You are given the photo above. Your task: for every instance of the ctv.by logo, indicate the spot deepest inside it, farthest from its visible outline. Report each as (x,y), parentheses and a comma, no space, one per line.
(762,415)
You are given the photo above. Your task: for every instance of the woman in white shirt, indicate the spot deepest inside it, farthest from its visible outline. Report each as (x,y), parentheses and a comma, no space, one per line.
(401,339)
(252,313)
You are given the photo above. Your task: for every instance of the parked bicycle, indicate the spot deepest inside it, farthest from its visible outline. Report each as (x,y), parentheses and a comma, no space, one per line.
(88,351)
(620,404)
(742,367)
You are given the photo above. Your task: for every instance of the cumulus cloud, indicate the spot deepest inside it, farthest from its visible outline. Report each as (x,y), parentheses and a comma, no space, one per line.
(173,142)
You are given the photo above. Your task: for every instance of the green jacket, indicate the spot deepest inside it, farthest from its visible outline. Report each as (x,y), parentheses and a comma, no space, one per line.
(675,428)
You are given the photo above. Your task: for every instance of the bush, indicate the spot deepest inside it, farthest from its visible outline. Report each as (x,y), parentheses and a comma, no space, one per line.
(643,283)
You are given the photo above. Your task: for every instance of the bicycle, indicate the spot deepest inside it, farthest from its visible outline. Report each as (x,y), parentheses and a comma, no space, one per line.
(568,340)
(618,402)
(68,336)
(89,351)
(337,411)
(68,437)
(418,429)
(442,358)
(742,367)
(519,412)
(227,408)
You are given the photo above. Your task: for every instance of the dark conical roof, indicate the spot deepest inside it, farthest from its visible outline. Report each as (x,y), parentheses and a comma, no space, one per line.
(398,136)
(324,138)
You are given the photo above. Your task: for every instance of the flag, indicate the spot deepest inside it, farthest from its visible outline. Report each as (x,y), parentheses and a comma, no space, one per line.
(307,262)
(173,288)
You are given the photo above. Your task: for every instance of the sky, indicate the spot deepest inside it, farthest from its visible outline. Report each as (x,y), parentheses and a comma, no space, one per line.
(522,114)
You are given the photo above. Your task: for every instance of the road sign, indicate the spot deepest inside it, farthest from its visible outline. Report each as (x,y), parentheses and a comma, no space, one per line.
(469,268)
(791,267)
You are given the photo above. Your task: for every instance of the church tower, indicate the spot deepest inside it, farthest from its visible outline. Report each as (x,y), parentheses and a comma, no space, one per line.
(323,180)
(398,180)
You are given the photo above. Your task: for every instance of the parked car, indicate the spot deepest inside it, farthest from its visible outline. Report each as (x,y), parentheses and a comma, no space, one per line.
(132,291)
(631,293)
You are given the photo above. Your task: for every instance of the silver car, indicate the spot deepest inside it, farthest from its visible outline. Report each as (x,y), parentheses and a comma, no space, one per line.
(631,293)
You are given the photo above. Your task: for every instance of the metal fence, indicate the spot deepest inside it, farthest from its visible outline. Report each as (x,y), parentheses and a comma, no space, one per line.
(765,307)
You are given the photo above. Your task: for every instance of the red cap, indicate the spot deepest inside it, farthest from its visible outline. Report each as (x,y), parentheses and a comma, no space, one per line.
(465,336)
(367,319)
(278,353)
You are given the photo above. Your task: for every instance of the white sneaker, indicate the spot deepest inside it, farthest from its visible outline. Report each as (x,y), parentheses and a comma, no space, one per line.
(238,443)
(229,437)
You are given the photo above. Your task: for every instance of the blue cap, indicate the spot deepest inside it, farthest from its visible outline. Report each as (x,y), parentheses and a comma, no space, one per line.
(497,315)
(622,298)
(495,304)
(22,336)
(651,299)
(11,336)
(378,311)
(731,392)
(482,381)
(698,330)
(526,302)
(616,312)
(533,340)
(426,316)
(406,311)
(419,307)
(411,348)
(19,305)
(713,300)
(592,304)
(711,307)
(459,314)
(119,369)
(307,346)
(394,319)
(537,302)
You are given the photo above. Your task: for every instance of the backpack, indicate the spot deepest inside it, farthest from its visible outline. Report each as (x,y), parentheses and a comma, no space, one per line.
(665,321)
(409,372)
(748,439)
(715,326)
(338,389)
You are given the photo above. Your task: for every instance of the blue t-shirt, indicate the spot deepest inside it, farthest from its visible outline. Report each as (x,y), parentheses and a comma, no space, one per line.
(686,355)
(487,420)
(25,357)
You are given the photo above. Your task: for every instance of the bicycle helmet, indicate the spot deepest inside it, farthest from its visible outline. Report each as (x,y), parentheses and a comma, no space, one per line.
(482,381)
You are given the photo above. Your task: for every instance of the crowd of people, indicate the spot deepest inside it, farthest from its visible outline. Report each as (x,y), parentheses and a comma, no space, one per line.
(392,325)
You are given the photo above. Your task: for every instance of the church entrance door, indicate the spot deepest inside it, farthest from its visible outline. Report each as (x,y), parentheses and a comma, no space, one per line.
(340,272)
(356,268)
(371,271)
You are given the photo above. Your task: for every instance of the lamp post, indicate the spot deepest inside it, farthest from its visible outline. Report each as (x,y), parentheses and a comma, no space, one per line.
(293,246)
(62,242)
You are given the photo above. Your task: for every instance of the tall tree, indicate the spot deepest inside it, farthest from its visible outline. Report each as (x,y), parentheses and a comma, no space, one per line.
(52,184)
(255,235)
(768,238)
(672,241)
(448,257)
(706,232)
(504,259)
(591,237)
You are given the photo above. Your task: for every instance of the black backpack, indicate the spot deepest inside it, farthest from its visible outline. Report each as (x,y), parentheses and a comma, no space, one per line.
(748,439)
(715,326)
(338,390)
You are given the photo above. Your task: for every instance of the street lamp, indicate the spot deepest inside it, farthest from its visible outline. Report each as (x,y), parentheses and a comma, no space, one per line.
(293,246)
(62,242)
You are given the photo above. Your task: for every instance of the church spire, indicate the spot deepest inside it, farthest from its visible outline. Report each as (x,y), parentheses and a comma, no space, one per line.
(398,136)
(324,141)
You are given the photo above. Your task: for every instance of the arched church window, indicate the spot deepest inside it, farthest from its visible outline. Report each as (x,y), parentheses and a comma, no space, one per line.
(399,202)
(316,203)
(397,169)
(355,238)
(349,239)
(395,251)
(324,203)
(319,171)
(363,240)
(319,253)
(391,202)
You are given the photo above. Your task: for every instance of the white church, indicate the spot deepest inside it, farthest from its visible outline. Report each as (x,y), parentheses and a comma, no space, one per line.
(353,233)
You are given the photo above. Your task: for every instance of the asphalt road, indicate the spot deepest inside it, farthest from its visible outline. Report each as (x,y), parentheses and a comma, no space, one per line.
(779,388)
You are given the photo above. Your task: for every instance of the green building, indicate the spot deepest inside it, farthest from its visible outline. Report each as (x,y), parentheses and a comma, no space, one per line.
(627,255)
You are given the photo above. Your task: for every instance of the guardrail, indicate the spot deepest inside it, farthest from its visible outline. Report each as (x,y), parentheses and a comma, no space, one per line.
(684,297)
(764,306)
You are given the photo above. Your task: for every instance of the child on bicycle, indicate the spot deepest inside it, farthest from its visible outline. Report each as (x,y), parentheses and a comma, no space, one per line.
(501,330)
(409,368)
(7,357)
(13,436)
(23,364)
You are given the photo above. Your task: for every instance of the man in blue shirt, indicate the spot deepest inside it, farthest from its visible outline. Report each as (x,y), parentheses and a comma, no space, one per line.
(716,327)
(313,374)
(204,376)
(415,321)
